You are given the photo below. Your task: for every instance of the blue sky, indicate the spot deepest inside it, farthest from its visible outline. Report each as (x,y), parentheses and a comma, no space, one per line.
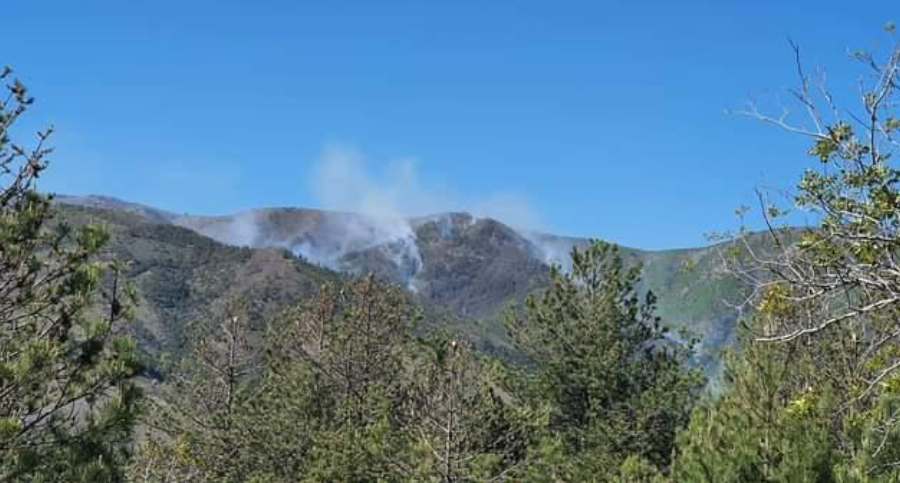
(590,118)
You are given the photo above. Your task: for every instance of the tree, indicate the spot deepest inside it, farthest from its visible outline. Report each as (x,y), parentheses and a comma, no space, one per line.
(321,400)
(67,405)
(767,426)
(355,336)
(389,406)
(827,295)
(462,428)
(845,266)
(198,422)
(795,410)
(354,340)
(616,382)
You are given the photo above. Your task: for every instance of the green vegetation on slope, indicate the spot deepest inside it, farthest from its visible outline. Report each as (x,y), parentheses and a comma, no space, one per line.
(182,277)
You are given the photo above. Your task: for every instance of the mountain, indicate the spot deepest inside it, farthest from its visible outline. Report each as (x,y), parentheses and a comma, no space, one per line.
(182,277)
(108,203)
(468,267)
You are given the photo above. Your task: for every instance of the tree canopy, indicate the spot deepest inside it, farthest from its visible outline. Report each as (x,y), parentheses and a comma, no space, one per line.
(67,406)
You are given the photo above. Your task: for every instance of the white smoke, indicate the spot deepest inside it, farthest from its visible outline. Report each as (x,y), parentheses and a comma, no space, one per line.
(513,209)
(551,249)
(242,230)
(389,197)
(371,205)
(344,181)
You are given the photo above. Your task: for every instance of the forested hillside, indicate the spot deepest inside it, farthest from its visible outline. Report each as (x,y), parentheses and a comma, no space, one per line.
(283,345)
(181,277)
(469,269)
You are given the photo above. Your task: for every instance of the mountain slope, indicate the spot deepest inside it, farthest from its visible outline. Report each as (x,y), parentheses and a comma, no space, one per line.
(471,268)
(182,277)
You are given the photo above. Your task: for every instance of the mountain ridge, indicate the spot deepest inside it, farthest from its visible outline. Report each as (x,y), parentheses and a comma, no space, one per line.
(471,266)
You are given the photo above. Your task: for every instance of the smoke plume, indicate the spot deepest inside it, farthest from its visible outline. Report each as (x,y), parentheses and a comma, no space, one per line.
(344,181)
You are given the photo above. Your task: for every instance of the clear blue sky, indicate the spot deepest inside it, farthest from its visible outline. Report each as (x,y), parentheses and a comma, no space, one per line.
(606,118)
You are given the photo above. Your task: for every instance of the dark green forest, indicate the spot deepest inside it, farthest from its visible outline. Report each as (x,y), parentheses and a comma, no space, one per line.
(274,370)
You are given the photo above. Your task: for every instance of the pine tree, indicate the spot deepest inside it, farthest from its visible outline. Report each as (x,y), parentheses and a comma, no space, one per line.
(198,422)
(351,342)
(616,382)
(462,428)
(798,410)
(321,402)
(766,426)
(67,405)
